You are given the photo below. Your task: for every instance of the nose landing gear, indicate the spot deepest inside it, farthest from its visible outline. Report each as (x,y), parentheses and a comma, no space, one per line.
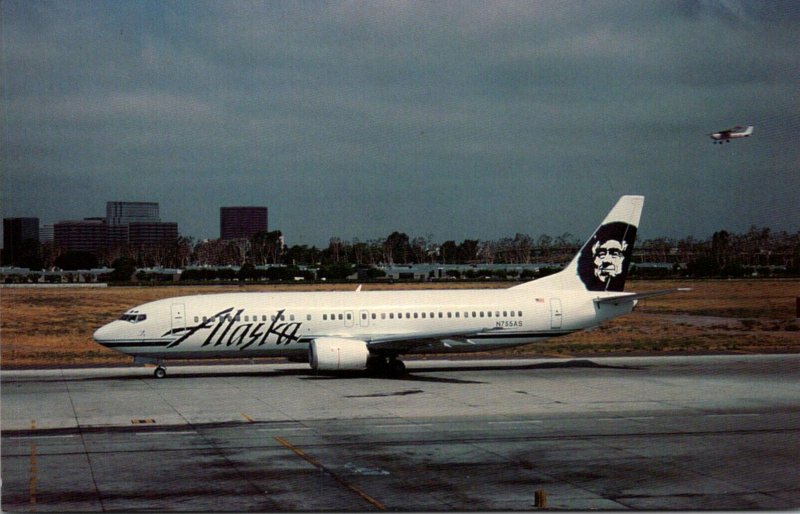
(160,372)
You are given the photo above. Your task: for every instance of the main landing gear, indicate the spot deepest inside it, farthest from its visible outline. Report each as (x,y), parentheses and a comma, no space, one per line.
(386,366)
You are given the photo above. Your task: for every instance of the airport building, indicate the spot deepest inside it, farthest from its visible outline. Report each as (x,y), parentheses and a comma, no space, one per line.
(242,222)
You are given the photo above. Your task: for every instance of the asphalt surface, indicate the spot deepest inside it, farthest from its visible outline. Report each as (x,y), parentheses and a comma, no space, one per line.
(690,433)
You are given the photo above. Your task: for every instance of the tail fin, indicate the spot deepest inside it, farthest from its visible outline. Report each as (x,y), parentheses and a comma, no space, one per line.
(603,261)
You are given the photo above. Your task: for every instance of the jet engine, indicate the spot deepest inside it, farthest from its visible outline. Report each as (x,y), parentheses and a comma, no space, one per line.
(334,354)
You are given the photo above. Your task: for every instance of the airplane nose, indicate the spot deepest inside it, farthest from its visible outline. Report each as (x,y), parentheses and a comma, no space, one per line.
(103,334)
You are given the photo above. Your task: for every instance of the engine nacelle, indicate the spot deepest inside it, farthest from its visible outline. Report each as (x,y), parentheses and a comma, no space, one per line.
(335,353)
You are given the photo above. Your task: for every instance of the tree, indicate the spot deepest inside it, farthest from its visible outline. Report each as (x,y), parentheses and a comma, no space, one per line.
(76,260)
(124,268)
(397,248)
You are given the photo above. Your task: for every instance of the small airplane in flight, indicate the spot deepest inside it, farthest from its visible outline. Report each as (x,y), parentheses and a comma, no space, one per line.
(369,330)
(737,132)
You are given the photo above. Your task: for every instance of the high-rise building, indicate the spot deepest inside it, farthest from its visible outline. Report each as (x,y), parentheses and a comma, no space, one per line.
(81,236)
(46,234)
(125,213)
(242,222)
(17,233)
(152,234)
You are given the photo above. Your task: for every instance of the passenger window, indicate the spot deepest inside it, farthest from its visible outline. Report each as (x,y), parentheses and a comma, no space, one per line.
(349,316)
(341,317)
(416,315)
(374,316)
(391,315)
(308,317)
(519,314)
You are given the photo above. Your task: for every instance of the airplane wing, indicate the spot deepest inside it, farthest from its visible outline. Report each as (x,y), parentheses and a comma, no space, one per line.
(409,342)
(624,298)
(406,342)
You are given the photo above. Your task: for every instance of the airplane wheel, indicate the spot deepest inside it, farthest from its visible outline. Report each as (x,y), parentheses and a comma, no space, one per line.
(160,372)
(397,368)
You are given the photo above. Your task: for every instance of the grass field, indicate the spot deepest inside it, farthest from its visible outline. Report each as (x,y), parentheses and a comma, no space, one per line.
(53,327)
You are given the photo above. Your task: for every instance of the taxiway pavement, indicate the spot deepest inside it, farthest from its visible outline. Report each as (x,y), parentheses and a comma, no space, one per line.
(705,432)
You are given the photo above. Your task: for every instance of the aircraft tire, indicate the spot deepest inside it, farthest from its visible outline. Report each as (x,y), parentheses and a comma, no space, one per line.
(160,372)
(397,368)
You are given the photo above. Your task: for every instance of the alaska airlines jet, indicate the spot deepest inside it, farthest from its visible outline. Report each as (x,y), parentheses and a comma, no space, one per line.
(357,330)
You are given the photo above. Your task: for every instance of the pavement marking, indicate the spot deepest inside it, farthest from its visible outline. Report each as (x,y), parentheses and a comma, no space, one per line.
(163,432)
(283,429)
(33,478)
(317,464)
(525,422)
(732,415)
(405,425)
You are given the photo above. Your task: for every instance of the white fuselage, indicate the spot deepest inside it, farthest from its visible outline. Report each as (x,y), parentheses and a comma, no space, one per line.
(283,324)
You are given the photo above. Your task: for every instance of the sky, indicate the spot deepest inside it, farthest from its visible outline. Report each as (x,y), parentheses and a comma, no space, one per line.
(447,119)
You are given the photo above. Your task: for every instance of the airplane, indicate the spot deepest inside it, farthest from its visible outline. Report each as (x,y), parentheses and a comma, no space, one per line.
(369,330)
(736,132)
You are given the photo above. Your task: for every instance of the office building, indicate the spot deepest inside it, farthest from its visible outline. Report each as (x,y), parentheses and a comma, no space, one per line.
(18,232)
(125,213)
(81,236)
(46,234)
(242,222)
(152,234)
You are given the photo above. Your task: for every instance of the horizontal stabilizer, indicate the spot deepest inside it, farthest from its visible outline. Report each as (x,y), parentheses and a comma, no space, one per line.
(624,298)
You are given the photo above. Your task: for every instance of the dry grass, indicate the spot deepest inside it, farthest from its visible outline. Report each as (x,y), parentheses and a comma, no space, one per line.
(53,327)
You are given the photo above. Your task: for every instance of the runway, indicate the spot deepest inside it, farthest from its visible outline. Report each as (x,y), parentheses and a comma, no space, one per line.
(691,433)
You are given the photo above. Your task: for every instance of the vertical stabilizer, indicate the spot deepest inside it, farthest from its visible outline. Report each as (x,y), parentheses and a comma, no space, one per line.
(603,261)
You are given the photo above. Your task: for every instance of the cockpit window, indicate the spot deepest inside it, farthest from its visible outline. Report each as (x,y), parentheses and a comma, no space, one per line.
(133,318)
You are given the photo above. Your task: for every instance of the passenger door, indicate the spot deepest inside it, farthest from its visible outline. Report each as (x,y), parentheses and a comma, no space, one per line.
(178,312)
(555,313)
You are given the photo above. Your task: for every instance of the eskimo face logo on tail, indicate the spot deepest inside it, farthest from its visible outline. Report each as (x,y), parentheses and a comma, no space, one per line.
(604,260)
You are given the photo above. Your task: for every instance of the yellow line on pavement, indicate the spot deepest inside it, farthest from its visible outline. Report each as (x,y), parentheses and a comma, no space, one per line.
(317,464)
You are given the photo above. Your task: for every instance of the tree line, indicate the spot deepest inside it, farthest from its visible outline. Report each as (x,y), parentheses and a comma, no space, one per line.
(723,254)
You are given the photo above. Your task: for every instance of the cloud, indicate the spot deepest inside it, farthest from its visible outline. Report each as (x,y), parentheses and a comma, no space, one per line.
(354,119)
